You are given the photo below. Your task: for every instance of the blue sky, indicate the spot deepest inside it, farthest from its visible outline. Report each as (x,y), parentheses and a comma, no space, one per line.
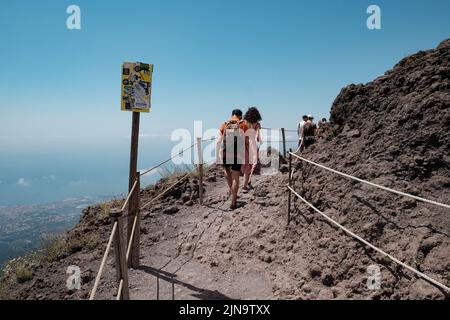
(60,88)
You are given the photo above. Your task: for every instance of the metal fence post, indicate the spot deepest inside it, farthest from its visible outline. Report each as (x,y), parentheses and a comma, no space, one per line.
(283,135)
(135,249)
(290,185)
(116,215)
(200,168)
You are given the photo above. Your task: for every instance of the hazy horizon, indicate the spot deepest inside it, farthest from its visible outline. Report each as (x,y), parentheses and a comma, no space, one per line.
(60,88)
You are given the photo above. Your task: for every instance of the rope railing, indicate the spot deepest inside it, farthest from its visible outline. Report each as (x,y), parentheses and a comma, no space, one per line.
(119,291)
(168,189)
(349,232)
(102,264)
(387,255)
(279,129)
(208,140)
(372,184)
(167,160)
(126,251)
(280,141)
(131,238)
(129,195)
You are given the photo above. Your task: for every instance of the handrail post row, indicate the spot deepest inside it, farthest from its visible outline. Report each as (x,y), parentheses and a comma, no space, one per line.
(200,168)
(290,185)
(116,215)
(283,135)
(133,262)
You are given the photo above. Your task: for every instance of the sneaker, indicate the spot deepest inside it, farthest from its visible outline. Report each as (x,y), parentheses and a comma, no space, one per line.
(245,189)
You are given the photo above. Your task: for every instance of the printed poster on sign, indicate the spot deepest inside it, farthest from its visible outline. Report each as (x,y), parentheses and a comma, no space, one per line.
(136,86)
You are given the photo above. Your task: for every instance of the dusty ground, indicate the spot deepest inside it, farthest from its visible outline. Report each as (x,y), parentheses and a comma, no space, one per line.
(177,254)
(212,253)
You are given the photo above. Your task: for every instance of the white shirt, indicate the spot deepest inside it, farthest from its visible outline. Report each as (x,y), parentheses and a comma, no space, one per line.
(300,129)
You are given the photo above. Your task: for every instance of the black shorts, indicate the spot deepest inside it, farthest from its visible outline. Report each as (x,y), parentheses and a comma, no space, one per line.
(309,142)
(234,167)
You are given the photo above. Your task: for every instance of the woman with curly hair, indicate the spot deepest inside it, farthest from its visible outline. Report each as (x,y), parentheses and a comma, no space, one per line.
(252,120)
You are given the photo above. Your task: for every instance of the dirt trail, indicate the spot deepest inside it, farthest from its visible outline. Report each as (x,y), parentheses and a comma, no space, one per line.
(177,259)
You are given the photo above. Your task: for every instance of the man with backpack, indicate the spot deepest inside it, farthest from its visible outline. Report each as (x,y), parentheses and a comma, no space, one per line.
(308,132)
(231,151)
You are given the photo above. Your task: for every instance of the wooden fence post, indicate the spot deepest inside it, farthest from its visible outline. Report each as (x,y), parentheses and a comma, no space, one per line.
(290,185)
(283,135)
(135,214)
(200,169)
(116,215)
(157,286)
(173,288)
(133,170)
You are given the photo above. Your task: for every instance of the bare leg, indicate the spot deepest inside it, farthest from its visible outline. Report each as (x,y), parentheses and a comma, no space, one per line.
(246,179)
(227,172)
(234,188)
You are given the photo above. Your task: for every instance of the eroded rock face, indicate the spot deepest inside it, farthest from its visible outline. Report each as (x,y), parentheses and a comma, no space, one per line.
(393,131)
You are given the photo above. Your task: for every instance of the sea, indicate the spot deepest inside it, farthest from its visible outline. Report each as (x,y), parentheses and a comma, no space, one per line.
(44,190)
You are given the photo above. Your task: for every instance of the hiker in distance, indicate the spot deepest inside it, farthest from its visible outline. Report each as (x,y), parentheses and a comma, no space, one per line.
(320,126)
(230,151)
(252,120)
(308,133)
(300,131)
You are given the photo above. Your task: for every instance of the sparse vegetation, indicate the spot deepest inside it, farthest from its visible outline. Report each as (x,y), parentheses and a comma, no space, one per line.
(5,290)
(91,241)
(17,271)
(52,247)
(415,263)
(23,274)
(106,206)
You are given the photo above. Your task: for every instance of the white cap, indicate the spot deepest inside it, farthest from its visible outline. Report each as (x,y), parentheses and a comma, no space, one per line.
(310,116)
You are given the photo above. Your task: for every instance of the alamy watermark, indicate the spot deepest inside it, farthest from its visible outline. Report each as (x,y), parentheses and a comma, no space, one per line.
(374,20)
(73,21)
(374,277)
(73,282)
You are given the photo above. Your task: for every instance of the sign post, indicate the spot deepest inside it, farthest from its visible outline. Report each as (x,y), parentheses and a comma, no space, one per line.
(134,148)
(135,97)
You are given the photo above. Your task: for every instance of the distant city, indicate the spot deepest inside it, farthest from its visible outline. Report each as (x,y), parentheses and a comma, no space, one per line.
(23,227)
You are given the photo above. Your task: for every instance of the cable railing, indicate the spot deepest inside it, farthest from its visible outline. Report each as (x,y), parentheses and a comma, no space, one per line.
(167,160)
(279,129)
(127,251)
(168,189)
(102,264)
(349,232)
(371,183)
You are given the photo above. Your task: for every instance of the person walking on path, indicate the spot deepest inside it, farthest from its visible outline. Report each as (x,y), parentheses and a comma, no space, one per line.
(252,120)
(300,130)
(230,151)
(308,133)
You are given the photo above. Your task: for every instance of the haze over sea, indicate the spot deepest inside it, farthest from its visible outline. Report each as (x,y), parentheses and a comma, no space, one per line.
(44,188)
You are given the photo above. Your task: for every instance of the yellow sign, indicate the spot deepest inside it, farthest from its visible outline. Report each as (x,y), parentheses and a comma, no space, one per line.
(136,86)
